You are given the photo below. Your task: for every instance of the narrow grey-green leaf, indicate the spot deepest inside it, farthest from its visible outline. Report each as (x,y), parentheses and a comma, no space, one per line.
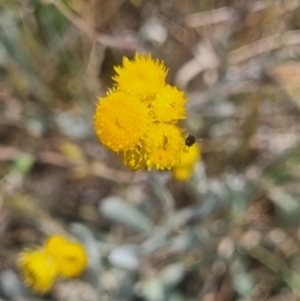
(172,274)
(86,237)
(153,290)
(12,288)
(117,210)
(126,256)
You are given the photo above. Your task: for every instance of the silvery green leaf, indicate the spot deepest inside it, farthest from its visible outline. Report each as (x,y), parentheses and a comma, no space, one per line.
(241,278)
(117,210)
(153,290)
(125,284)
(12,41)
(153,31)
(86,237)
(12,288)
(177,296)
(243,284)
(172,274)
(73,126)
(189,240)
(211,204)
(126,256)
(286,205)
(156,241)
(37,123)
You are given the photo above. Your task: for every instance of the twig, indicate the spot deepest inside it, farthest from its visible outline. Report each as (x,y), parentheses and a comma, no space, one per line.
(211,17)
(290,38)
(225,14)
(119,42)
(24,208)
(254,49)
(94,168)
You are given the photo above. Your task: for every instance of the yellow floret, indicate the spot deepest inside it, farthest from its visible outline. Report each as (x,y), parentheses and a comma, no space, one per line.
(70,255)
(72,260)
(38,269)
(168,105)
(142,76)
(134,159)
(163,145)
(121,121)
(54,244)
(183,170)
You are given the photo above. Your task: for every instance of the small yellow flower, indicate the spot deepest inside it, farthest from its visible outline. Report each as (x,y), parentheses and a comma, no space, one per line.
(142,76)
(70,255)
(168,105)
(163,145)
(38,269)
(183,170)
(120,121)
(72,260)
(54,245)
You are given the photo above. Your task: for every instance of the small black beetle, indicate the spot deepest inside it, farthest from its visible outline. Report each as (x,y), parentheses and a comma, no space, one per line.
(190,140)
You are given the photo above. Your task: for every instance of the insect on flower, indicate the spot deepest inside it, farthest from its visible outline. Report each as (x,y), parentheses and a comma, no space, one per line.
(190,140)
(138,118)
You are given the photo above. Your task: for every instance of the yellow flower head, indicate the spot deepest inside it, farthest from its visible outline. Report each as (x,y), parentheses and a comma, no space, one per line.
(163,144)
(143,76)
(120,121)
(54,245)
(183,170)
(39,270)
(138,119)
(168,105)
(70,255)
(72,260)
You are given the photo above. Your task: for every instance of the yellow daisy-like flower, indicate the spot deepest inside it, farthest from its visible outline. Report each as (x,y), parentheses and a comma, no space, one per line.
(142,76)
(138,118)
(70,255)
(54,245)
(183,170)
(163,144)
(168,105)
(72,260)
(38,269)
(121,120)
